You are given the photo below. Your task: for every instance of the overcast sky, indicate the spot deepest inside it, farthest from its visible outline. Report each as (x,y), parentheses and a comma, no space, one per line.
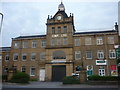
(29,18)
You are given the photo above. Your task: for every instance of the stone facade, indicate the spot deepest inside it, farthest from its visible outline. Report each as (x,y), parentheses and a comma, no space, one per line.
(62,46)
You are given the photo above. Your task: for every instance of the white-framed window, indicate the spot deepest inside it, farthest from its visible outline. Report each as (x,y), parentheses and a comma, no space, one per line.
(23,69)
(100,54)
(25,44)
(99,40)
(34,44)
(15,56)
(112,54)
(33,56)
(88,41)
(88,54)
(7,57)
(24,56)
(111,40)
(42,55)
(77,41)
(43,43)
(32,71)
(77,55)
(101,71)
(65,29)
(65,41)
(16,44)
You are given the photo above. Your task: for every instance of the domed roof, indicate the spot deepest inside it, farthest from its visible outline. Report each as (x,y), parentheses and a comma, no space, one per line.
(61,7)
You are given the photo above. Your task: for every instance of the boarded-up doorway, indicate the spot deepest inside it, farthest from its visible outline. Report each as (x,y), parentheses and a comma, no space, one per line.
(58,72)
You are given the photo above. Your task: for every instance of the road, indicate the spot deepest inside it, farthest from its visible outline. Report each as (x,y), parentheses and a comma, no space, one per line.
(56,86)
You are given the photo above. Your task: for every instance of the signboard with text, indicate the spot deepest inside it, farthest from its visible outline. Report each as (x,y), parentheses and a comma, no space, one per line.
(101,62)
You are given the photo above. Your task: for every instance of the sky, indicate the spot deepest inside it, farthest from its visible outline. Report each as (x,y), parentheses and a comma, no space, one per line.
(29,18)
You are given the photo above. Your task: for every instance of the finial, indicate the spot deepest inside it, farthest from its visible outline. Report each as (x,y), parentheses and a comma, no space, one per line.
(115,23)
(70,14)
(48,16)
(61,1)
(51,16)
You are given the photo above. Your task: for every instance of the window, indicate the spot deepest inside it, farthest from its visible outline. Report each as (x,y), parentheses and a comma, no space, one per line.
(102,71)
(53,41)
(53,30)
(77,55)
(77,42)
(65,29)
(43,43)
(33,56)
(100,54)
(99,40)
(15,57)
(42,55)
(24,56)
(88,41)
(111,40)
(112,54)
(7,57)
(25,44)
(58,41)
(34,44)
(88,54)
(32,71)
(59,55)
(23,69)
(65,41)
(59,30)
(16,45)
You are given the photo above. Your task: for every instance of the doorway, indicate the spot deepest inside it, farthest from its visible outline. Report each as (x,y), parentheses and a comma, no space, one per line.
(58,72)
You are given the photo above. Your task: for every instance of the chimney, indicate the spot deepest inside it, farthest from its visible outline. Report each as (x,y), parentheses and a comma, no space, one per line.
(116,26)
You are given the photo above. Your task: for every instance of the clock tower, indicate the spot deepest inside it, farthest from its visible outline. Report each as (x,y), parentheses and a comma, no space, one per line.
(60,28)
(59,48)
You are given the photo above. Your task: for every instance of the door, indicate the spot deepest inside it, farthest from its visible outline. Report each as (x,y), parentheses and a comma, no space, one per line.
(58,72)
(102,72)
(42,75)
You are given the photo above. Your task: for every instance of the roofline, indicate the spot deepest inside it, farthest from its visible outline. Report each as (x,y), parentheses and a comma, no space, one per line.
(29,37)
(95,32)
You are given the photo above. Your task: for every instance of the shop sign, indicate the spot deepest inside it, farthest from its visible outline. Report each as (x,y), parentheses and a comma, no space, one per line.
(58,61)
(101,62)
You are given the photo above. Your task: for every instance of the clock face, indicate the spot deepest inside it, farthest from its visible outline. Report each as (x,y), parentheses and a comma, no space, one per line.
(59,17)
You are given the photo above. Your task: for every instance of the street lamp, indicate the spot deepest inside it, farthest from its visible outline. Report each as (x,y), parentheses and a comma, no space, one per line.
(1,22)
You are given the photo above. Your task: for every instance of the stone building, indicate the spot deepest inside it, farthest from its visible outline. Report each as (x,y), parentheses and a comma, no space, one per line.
(63,51)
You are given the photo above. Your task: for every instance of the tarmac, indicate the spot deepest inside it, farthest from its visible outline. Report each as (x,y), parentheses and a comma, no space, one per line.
(39,84)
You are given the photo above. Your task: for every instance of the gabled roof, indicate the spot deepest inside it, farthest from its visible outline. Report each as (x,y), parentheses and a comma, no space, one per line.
(61,12)
(95,32)
(32,36)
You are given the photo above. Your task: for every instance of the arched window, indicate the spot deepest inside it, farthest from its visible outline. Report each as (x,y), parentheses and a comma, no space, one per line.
(59,55)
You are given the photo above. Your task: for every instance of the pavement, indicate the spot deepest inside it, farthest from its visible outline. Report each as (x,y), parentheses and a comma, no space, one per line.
(39,84)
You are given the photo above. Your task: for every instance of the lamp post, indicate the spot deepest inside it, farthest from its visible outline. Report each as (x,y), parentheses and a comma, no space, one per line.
(1,22)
